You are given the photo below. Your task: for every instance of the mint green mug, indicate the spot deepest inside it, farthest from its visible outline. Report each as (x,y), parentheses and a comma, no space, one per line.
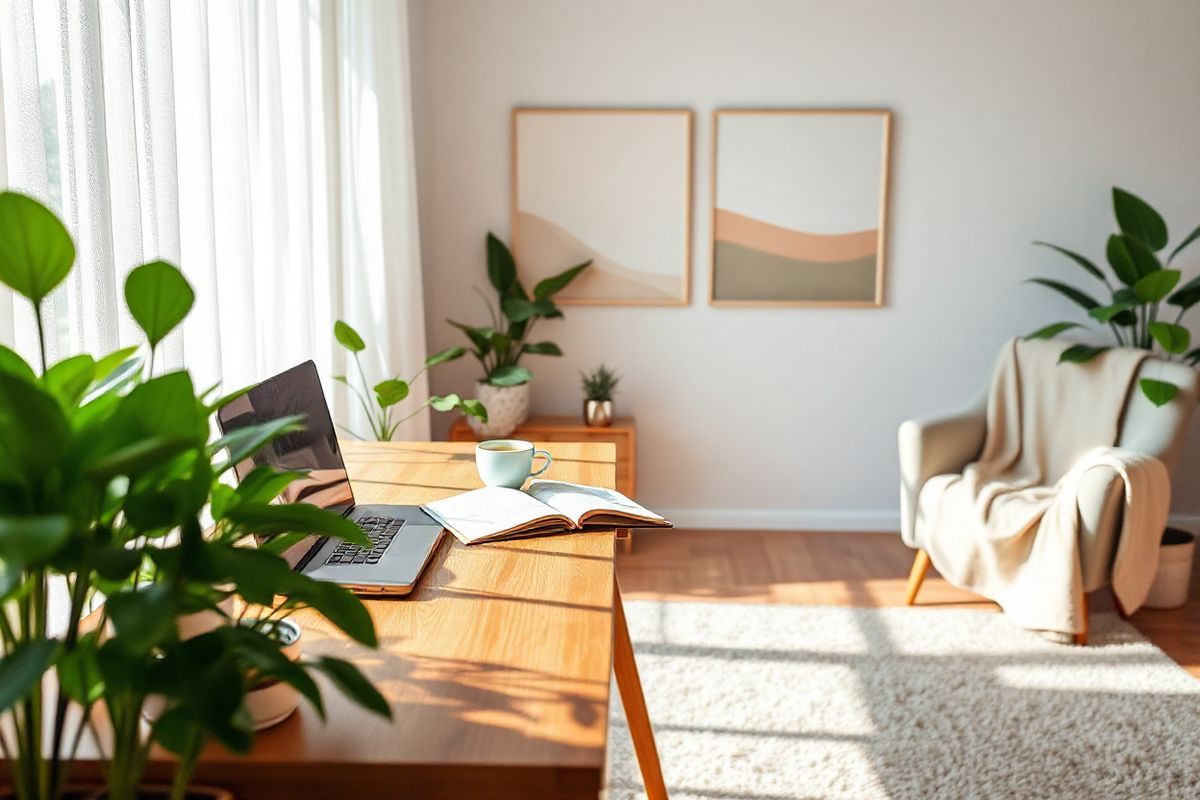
(508,462)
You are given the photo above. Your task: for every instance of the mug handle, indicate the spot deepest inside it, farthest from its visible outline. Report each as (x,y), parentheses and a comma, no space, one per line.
(546,466)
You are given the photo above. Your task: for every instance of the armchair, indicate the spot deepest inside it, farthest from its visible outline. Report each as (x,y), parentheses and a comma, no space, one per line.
(947,445)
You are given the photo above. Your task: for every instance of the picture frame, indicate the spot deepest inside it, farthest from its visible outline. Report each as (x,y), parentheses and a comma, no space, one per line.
(799,207)
(639,163)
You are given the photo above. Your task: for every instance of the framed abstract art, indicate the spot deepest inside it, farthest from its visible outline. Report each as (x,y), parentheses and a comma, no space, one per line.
(610,185)
(799,207)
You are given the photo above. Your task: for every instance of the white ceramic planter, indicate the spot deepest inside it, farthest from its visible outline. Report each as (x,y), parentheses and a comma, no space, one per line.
(267,705)
(507,406)
(273,703)
(1173,578)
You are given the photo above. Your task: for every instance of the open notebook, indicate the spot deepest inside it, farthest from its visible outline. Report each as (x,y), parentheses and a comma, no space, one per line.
(494,513)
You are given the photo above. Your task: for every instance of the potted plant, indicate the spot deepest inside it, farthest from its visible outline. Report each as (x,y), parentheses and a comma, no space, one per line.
(392,391)
(599,386)
(1141,283)
(107,474)
(500,346)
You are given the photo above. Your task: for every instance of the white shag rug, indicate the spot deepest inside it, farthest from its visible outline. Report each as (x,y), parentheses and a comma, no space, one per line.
(757,702)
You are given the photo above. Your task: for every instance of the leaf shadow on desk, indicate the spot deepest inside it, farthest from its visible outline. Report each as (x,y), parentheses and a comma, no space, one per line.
(472,700)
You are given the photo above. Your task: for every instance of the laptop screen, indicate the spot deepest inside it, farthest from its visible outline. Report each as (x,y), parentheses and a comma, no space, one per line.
(314,449)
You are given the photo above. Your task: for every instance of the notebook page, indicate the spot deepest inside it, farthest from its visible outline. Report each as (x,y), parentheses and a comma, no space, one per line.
(490,513)
(575,500)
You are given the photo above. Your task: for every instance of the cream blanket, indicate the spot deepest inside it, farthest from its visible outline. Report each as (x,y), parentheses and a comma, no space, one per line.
(1008,527)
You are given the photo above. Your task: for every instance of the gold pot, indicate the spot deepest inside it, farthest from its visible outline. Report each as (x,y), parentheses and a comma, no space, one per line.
(597,413)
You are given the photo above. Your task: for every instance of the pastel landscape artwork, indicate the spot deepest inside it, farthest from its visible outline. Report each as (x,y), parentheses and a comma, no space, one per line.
(798,207)
(611,186)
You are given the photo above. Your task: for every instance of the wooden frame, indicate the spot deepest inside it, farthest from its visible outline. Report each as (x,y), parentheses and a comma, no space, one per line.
(881,250)
(684,297)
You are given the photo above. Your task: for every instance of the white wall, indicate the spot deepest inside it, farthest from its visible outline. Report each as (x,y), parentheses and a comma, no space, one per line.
(1012,120)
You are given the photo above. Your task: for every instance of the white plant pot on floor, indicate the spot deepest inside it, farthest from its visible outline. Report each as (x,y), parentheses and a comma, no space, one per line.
(507,407)
(1173,579)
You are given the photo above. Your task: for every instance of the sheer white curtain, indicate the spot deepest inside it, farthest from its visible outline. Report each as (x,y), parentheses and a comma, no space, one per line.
(263,146)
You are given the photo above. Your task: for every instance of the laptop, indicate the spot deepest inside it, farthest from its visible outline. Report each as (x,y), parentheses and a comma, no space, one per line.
(403,538)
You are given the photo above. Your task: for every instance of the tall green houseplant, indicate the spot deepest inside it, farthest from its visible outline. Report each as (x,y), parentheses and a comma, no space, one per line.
(1145,304)
(501,346)
(106,476)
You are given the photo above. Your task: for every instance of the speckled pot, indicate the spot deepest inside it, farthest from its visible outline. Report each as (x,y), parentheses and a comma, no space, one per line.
(507,407)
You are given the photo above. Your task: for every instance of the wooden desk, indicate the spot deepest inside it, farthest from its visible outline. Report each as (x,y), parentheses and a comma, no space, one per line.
(497,667)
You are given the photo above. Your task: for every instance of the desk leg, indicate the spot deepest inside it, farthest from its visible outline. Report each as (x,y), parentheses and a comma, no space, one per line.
(630,687)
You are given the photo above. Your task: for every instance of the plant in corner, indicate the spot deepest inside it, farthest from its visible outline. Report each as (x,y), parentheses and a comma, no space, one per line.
(599,386)
(392,391)
(1140,285)
(107,473)
(504,388)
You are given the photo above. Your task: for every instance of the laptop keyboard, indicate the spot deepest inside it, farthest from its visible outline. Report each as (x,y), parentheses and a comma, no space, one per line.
(380,530)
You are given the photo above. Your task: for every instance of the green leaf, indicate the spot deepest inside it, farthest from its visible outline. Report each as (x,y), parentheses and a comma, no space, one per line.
(1191,237)
(501,268)
(114,380)
(106,365)
(246,441)
(546,308)
(36,251)
(555,284)
(449,354)
(354,685)
(1174,339)
(1121,260)
(1156,286)
(1070,292)
(475,409)
(1137,219)
(264,484)
(142,617)
(13,364)
(509,375)
(1187,295)
(446,403)
(481,338)
(1052,330)
(226,399)
(1106,314)
(272,518)
(158,297)
(70,378)
(542,349)
(139,456)
(34,433)
(348,338)
(24,667)
(518,310)
(390,392)
(1144,260)
(1080,353)
(114,562)
(28,540)
(1158,392)
(78,672)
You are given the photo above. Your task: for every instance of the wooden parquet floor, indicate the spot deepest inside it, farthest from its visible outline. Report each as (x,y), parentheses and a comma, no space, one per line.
(838,569)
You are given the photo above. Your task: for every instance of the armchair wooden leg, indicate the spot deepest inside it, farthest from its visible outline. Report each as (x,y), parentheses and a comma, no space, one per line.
(1081,638)
(916,577)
